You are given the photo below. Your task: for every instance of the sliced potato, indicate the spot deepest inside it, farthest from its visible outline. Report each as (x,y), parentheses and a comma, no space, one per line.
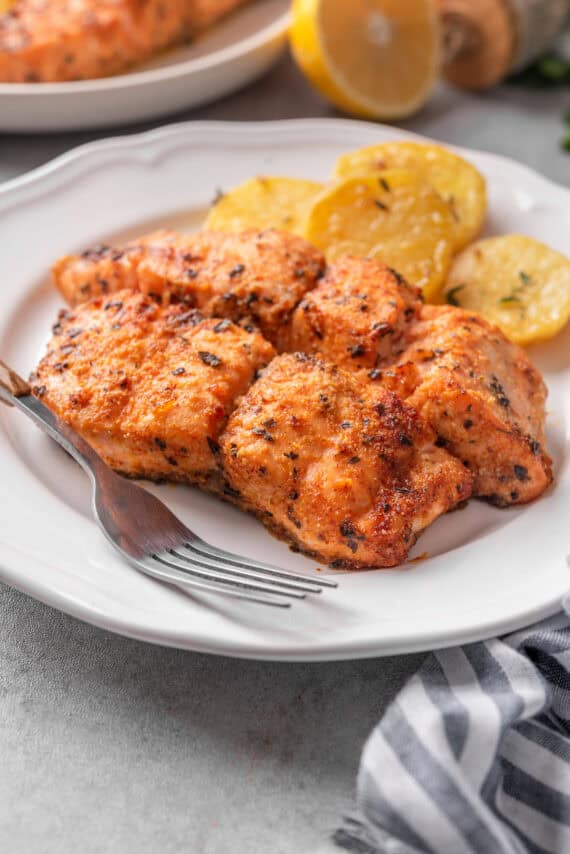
(516,282)
(460,184)
(265,202)
(394,216)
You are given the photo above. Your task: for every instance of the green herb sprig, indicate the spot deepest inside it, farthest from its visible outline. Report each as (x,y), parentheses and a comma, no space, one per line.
(451,296)
(514,297)
(566,138)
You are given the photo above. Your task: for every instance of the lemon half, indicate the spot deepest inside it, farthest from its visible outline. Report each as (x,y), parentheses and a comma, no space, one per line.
(373,58)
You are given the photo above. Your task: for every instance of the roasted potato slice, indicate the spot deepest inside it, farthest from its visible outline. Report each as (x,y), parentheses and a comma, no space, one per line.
(265,202)
(393,216)
(456,180)
(516,282)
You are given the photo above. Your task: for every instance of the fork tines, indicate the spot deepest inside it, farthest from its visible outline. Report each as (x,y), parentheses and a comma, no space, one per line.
(197,565)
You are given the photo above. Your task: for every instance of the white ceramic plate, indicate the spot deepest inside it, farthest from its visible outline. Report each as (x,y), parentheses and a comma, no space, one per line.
(488,570)
(233,53)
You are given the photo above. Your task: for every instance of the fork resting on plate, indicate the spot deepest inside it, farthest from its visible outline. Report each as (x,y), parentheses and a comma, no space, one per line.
(148,535)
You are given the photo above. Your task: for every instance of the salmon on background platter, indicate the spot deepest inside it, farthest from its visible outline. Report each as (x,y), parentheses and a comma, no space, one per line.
(61,41)
(67,65)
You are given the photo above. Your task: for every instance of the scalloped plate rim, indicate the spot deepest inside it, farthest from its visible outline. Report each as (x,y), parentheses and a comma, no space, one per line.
(153,144)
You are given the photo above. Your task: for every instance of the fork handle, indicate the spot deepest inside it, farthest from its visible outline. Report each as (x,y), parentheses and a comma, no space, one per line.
(15,391)
(11,384)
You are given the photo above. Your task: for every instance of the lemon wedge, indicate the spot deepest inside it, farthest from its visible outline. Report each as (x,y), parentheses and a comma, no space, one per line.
(377,59)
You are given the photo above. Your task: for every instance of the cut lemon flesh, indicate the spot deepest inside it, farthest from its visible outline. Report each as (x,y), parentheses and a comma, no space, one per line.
(372,58)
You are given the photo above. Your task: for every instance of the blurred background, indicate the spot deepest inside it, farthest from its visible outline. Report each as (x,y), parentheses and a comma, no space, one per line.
(453,69)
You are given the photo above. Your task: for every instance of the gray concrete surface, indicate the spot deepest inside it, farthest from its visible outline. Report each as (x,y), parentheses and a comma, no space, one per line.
(110,745)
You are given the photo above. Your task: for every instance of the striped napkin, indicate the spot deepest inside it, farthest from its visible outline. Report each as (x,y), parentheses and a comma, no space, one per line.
(473,755)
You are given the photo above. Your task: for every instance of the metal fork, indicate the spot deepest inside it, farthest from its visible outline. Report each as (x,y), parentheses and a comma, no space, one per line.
(148,535)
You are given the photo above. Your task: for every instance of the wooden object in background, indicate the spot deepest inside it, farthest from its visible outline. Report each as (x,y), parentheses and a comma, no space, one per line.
(486,40)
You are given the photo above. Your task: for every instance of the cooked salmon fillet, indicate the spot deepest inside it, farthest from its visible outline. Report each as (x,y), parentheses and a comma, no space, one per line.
(150,388)
(477,389)
(483,397)
(62,40)
(207,12)
(357,316)
(391,414)
(248,276)
(347,476)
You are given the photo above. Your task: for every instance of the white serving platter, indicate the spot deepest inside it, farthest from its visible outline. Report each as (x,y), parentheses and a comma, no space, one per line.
(487,570)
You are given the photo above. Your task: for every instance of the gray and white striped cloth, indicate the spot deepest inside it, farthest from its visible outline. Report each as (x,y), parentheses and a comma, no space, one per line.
(473,755)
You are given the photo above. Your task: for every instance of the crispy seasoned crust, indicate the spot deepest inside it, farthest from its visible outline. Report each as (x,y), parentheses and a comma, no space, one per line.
(348,474)
(59,40)
(250,277)
(357,316)
(348,466)
(477,389)
(150,388)
(484,398)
